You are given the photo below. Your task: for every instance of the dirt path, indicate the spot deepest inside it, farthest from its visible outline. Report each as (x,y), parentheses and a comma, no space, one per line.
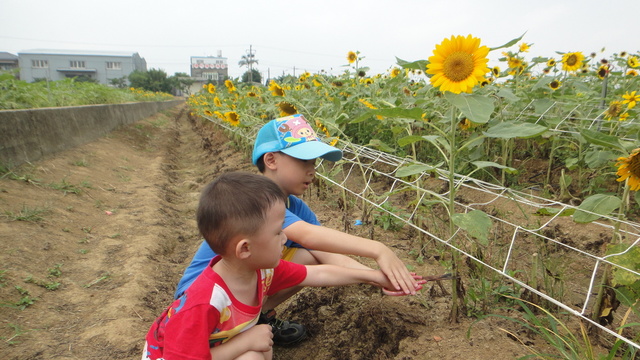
(93,241)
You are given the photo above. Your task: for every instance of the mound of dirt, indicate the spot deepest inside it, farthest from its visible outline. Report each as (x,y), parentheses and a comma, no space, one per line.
(94,240)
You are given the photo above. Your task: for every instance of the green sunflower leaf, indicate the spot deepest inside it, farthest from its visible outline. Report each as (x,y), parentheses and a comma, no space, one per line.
(411,139)
(414,169)
(476,223)
(375,143)
(598,138)
(484,164)
(476,108)
(628,259)
(510,43)
(510,130)
(417,65)
(552,211)
(597,205)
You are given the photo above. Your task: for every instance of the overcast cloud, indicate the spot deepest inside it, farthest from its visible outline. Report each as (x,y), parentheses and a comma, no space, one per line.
(288,35)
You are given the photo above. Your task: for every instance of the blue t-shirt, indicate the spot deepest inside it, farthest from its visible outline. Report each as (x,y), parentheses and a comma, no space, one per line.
(297,210)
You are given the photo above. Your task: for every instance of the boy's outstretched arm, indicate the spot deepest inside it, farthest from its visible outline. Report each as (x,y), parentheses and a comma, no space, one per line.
(322,238)
(332,275)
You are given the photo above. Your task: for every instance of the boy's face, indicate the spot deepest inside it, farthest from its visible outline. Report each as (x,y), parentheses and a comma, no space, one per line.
(266,245)
(293,175)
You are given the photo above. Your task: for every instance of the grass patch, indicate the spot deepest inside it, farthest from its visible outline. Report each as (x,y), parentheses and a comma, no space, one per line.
(27,214)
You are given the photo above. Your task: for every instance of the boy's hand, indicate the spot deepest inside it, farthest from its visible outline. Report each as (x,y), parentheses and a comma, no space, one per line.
(261,337)
(397,272)
(419,281)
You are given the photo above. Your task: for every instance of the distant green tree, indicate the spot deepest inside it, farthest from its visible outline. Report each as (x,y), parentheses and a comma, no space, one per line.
(119,83)
(151,80)
(181,81)
(252,75)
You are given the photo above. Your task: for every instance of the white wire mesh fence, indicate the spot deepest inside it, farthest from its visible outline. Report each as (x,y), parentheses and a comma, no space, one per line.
(534,245)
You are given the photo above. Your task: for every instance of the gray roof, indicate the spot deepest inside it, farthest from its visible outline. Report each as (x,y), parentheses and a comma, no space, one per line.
(78,52)
(7,56)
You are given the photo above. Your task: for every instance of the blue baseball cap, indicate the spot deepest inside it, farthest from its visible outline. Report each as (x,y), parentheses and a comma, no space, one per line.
(292,135)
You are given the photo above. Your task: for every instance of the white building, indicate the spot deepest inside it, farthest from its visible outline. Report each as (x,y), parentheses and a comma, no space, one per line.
(205,69)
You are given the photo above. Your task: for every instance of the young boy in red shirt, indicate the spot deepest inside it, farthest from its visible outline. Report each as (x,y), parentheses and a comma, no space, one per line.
(240,215)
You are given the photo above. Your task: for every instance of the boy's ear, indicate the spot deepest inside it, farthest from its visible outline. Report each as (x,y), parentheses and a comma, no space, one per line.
(270,160)
(243,249)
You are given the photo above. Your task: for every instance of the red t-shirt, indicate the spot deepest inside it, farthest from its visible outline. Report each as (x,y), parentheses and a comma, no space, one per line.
(208,314)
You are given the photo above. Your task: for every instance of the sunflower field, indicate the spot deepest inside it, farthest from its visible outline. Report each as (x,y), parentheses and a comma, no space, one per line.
(562,127)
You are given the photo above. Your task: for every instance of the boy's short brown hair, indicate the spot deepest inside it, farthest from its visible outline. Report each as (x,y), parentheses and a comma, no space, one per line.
(235,204)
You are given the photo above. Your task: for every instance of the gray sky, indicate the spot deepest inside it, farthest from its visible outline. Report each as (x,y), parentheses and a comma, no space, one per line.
(313,35)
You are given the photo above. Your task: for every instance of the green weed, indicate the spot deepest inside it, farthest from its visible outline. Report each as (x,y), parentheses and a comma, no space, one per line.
(82,162)
(66,187)
(17,331)
(103,277)
(27,214)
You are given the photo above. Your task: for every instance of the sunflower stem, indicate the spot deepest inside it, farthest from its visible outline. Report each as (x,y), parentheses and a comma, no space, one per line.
(455,310)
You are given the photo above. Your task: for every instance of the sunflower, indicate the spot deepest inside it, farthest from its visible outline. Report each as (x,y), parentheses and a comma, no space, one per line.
(614,109)
(546,70)
(524,47)
(458,64)
(211,88)
(217,102)
(551,62)
(219,115)
(232,117)
(495,71)
(367,104)
(629,169)
(464,124)
(208,113)
(275,89)
(252,94)
(352,57)
(603,71)
(632,72)
(630,98)
(632,61)
(316,83)
(623,54)
(554,85)
(572,61)
(395,72)
(229,85)
(305,75)
(623,117)
(514,62)
(287,109)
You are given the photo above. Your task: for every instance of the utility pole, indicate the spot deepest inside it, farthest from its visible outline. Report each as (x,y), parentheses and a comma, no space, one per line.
(250,56)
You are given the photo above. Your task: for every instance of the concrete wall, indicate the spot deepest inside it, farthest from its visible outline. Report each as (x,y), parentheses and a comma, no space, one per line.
(28,135)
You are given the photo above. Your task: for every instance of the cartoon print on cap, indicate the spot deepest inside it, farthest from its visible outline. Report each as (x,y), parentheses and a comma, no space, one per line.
(294,130)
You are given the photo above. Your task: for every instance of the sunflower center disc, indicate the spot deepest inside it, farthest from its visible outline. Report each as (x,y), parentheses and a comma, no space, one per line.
(572,60)
(458,66)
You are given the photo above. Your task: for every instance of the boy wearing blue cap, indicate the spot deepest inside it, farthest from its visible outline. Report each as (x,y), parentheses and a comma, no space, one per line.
(285,151)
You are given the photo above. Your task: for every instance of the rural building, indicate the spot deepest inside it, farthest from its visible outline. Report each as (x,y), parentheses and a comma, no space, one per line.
(206,69)
(8,61)
(103,66)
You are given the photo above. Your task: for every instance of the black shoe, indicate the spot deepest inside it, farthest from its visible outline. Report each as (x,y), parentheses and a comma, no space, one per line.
(285,333)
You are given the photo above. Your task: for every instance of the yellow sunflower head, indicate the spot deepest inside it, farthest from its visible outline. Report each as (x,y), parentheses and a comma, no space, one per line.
(352,57)
(229,85)
(551,62)
(632,72)
(217,102)
(629,170)
(367,104)
(572,61)
(632,61)
(287,109)
(395,72)
(631,99)
(554,85)
(603,71)
(623,117)
(495,71)
(211,88)
(514,62)
(458,64)
(524,47)
(464,124)
(276,90)
(232,117)
(614,109)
